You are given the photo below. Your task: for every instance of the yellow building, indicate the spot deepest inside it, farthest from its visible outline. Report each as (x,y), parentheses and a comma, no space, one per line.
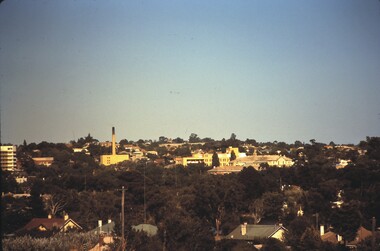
(113,158)
(206,158)
(8,158)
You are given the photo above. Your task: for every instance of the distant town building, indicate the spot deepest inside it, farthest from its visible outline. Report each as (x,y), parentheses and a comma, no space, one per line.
(225,170)
(255,160)
(342,163)
(113,158)
(206,158)
(8,158)
(43,161)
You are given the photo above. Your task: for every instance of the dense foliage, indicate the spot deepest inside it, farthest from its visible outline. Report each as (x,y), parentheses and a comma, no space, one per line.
(190,207)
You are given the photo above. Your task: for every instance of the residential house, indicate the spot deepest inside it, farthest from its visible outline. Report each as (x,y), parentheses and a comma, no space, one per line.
(250,232)
(107,228)
(43,161)
(105,233)
(256,160)
(50,225)
(334,238)
(225,170)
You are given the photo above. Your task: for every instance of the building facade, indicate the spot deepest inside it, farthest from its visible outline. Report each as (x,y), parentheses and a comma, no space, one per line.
(8,158)
(206,158)
(113,158)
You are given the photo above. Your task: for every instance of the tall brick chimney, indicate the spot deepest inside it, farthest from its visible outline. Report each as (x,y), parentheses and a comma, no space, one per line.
(113,141)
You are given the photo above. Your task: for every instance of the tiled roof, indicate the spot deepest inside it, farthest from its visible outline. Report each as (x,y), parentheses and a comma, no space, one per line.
(106,228)
(49,224)
(361,234)
(255,232)
(226,169)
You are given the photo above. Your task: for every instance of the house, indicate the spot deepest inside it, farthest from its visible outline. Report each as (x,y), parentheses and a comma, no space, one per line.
(149,229)
(50,224)
(225,170)
(334,238)
(342,163)
(107,228)
(43,161)
(249,232)
(256,160)
(105,233)
(206,158)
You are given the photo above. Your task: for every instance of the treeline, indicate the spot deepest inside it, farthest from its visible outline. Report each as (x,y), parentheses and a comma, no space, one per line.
(186,203)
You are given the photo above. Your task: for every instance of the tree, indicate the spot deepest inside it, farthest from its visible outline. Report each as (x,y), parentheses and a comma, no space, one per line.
(35,199)
(346,221)
(215,160)
(296,230)
(233,155)
(123,142)
(194,138)
(178,140)
(272,244)
(233,137)
(273,203)
(55,204)
(162,139)
(310,240)
(252,181)
(256,210)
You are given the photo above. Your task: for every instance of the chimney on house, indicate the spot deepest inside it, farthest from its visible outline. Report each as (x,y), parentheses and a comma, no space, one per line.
(322,229)
(99,223)
(109,220)
(113,141)
(49,216)
(339,238)
(66,217)
(244,228)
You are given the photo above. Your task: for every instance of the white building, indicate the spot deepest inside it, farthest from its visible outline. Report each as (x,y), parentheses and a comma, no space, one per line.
(8,158)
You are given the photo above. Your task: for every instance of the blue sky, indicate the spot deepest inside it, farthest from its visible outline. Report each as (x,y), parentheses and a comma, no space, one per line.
(266,70)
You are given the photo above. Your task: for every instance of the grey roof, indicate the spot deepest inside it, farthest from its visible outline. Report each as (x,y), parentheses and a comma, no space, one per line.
(106,228)
(255,232)
(149,229)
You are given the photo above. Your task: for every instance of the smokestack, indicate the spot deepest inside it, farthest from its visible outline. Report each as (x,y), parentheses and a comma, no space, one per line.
(113,141)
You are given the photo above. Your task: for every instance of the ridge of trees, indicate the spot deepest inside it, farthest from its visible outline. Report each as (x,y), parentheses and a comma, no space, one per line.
(189,206)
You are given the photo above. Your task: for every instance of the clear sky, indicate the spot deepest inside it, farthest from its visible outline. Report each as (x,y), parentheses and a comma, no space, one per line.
(265,70)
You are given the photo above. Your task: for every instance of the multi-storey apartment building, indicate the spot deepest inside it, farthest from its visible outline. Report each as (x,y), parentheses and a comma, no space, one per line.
(8,158)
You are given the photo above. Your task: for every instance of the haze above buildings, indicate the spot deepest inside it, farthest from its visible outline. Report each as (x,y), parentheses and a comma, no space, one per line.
(267,70)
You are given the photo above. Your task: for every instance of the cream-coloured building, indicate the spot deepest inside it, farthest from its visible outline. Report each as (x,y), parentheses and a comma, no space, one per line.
(206,158)
(255,161)
(8,158)
(113,158)
(43,161)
